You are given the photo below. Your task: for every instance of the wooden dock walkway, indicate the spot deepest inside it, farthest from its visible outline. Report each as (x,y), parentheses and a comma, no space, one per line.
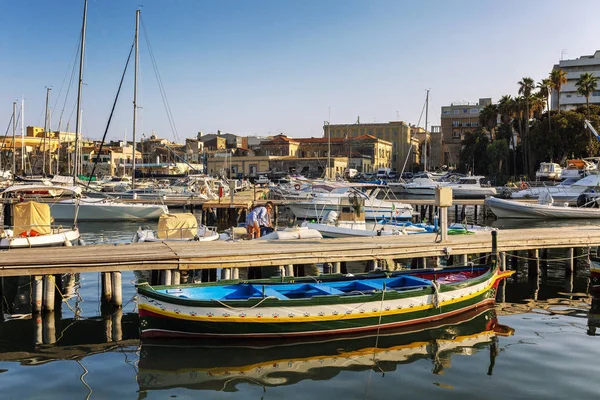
(206,255)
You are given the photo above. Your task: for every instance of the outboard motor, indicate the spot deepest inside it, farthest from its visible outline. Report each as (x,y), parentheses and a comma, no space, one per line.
(331,217)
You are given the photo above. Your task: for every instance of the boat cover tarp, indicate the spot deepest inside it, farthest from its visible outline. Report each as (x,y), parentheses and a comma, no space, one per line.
(31,219)
(177,226)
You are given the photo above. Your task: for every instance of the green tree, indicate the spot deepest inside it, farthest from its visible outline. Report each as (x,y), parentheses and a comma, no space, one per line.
(586,84)
(497,152)
(545,87)
(526,86)
(488,119)
(558,77)
(473,154)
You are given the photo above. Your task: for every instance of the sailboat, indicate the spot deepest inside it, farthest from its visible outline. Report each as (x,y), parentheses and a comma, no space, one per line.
(88,209)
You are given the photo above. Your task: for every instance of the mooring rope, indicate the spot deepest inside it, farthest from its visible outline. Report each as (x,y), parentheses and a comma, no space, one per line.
(436,294)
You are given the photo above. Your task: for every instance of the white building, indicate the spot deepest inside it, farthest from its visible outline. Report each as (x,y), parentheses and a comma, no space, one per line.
(569,98)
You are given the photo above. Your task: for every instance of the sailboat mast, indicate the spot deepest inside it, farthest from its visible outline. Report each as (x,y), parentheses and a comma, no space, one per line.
(426,115)
(137,58)
(14,144)
(23,136)
(48,89)
(79,89)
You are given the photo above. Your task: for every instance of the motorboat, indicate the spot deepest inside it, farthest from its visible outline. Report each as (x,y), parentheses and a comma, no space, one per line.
(466,187)
(546,209)
(567,191)
(181,227)
(548,171)
(88,209)
(329,200)
(32,225)
(577,169)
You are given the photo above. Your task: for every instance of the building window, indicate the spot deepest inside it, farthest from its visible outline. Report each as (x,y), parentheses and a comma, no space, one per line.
(474,110)
(568,95)
(456,135)
(456,111)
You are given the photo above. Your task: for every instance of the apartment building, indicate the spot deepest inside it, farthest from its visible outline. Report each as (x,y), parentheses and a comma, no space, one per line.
(569,98)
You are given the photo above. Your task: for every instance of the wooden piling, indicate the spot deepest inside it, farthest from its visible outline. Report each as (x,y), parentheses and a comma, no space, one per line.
(49,291)
(533,263)
(570,261)
(49,328)
(289,270)
(226,273)
(235,273)
(106,288)
(117,290)
(175,277)
(465,259)
(337,267)
(503,261)
(117,329)
(37,293)
(165,277)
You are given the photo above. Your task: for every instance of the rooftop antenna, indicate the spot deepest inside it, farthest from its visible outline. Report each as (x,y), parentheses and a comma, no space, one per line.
(562,54)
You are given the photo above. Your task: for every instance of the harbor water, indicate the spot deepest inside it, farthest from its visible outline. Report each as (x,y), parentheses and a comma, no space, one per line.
(541,341)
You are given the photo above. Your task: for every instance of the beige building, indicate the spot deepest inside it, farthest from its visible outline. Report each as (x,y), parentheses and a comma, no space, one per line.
(435,154)
(458,120)
(397,133)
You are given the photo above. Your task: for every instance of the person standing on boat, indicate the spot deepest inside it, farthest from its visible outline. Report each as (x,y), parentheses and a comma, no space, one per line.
(258,222)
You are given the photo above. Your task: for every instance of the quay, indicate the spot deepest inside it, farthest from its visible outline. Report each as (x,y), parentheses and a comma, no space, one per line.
(255,253)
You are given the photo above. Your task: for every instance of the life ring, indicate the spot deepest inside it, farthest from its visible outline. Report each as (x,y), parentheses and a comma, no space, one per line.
(524,185)
(297,186)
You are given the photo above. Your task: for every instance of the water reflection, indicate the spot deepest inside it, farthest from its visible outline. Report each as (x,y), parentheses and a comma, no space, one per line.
(221,366)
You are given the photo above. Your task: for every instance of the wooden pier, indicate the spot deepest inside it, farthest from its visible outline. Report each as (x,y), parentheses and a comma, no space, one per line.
(240,254)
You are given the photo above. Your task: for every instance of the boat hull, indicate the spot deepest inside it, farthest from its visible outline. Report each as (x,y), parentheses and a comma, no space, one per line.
(106,211)
(514,209)
(317,211)
(61,237)
(170,316)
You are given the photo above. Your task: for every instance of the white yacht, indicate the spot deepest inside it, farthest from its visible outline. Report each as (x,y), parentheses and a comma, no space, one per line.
(567,191)
(329,200)
(467,187)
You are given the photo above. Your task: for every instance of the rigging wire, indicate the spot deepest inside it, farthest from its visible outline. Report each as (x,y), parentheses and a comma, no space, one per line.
(71,80)
(111,115)
(160,84)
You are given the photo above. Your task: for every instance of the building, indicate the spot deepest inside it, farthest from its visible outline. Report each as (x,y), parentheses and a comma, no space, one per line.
(458,120)
(220,140)
(435,154)
(569,98)
(395,132)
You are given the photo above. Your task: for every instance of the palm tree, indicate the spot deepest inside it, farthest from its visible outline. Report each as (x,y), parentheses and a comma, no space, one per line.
(558,77)
(488,119)
(526,85)
(545,86)
(506,108)
(586,84)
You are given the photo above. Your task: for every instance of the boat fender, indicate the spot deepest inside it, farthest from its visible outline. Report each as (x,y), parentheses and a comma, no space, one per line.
(297,186)
(524,185)
(67,243)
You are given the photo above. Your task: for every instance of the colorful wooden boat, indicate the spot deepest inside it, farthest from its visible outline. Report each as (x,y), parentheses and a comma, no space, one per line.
(323,305)
(222,365)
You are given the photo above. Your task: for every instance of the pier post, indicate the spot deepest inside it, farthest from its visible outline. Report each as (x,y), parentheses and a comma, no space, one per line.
(106,288)
(444,223)
(37,293)
(570,261)
(165,277)
(502,261)
(49,291)
(281,270)
(49,328)
(337,267)
(39,330)
(465,259)
(533,263)
(544,262)
(225,273)
(235,273)
(108,331)
(117,289)
(176,277)
(117,329)
(289,270)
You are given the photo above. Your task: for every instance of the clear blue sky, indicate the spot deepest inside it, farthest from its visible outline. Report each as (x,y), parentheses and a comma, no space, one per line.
(264,67)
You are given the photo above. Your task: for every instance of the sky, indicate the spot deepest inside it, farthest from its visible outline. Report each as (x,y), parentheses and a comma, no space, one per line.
(263,67)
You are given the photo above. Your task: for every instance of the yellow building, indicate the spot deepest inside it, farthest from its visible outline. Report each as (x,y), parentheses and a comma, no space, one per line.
(398,133)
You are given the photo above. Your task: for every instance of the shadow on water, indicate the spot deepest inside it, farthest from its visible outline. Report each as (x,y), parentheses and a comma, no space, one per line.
(223,365)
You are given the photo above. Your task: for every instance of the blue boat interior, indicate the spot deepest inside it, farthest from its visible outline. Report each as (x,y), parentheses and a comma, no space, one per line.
(288,291)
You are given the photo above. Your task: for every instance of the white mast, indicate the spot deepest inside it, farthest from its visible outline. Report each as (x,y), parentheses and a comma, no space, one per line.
(79,88)
(48,89)
(23,135)
(329,146)
(137,23)
(426,114)
(14,143)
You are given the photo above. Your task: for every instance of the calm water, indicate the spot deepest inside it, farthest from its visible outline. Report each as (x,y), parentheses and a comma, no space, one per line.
(539,343)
